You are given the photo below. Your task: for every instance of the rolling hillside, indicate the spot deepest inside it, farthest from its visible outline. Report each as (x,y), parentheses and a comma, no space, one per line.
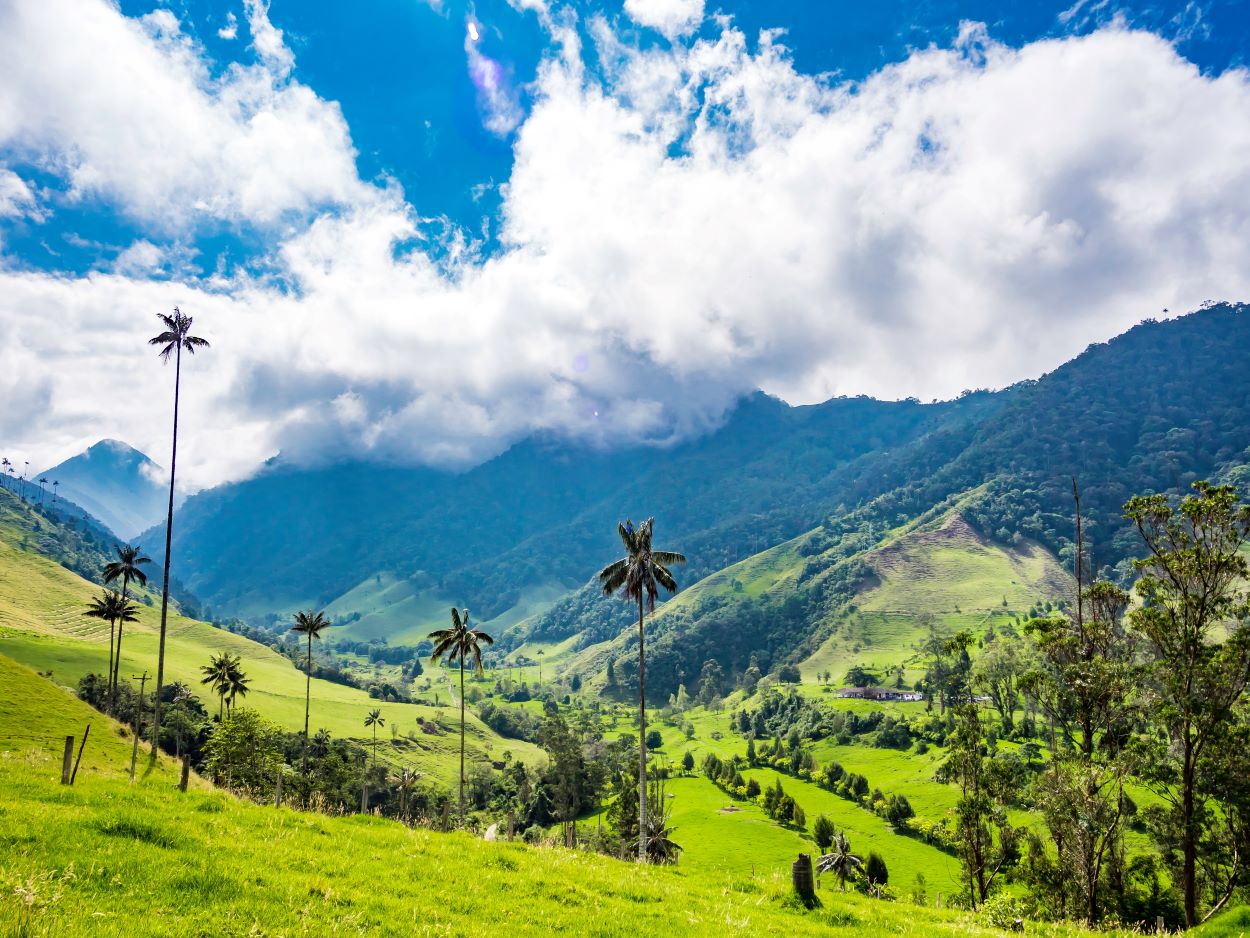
(42,626)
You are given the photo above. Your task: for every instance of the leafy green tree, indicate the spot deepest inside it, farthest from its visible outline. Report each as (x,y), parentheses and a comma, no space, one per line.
(638,576)
(459,643)
(127,567)
(875,870)
(113,608)
(654,739)
(174,340)
(244,751)
(311,624)
(687,762)
(978,811)
(823,833)
(1191,618)
(995,673)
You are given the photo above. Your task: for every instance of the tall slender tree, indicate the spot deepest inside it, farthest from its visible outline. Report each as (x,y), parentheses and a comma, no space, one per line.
(637,576)
(128,567)
(55,486)
(113,608)
(237,684)
(375,719)
(43,480)
(216,674)
(458,643)
(1192,619)
(311,624)
(174,340)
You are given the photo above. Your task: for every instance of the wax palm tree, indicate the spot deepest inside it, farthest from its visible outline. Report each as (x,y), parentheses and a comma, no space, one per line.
(320,745)
(128,567)
(238,684)
(43,480)
(839,860)
(55,485)
(637,576)
(174,340)
(112,607)
(460,642)
(311,624)
(217,675)
(375,719)
(404,783)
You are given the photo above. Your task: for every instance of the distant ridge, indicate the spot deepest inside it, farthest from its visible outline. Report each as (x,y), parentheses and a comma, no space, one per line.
(116,483)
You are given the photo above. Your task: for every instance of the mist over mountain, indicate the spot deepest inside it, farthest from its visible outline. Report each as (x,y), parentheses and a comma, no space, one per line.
(116,483)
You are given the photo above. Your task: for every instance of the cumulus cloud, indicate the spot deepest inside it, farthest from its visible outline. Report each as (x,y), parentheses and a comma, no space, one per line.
(681,227)
(127,110)
(16,198)
(673,18)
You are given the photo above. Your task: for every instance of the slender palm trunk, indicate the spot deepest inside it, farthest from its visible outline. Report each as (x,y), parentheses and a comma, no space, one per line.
(307,701)
(117,662)
(169,535)
(108,679)
(642,741)
(221,707)
(462,735)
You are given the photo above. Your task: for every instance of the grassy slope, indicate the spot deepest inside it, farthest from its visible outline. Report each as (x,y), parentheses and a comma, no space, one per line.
(41,625)
(109,859)
(945,570)
(732,842)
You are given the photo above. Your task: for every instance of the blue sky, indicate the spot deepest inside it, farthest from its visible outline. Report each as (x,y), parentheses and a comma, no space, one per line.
(398,70)
(454,224)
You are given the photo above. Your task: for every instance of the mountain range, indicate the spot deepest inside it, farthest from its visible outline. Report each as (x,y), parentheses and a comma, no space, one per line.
(789,515)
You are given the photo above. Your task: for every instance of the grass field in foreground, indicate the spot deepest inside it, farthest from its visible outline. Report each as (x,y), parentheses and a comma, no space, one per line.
(108,859)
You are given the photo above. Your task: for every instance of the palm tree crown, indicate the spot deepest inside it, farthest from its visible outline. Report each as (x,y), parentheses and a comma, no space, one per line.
(222,674)
(638,576)
(128,567)
(177,335)
(460,642)
(112,607)
(839,860)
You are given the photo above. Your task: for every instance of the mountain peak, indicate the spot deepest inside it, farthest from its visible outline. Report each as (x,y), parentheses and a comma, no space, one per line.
(117,483)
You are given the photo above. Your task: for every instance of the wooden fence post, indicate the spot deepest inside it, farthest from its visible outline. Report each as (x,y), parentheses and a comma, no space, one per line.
(85,734)
(277,791)
(67,761)
(186,771)
(801,877)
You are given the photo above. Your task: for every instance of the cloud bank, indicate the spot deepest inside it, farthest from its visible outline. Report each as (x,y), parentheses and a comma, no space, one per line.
(682,225)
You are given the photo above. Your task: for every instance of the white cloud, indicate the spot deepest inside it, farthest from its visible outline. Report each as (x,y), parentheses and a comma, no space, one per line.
(139,259)
(127,110)
(708,222)
(16,198)
(673,18)
(231,29)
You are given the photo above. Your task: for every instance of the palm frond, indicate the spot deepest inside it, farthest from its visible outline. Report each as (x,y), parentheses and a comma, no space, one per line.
(667,557)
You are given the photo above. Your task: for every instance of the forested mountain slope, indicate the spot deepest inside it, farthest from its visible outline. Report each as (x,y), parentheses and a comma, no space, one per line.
(1152,410)
(540,514)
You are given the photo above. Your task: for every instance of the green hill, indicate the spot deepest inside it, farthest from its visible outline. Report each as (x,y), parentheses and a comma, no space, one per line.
(42,626)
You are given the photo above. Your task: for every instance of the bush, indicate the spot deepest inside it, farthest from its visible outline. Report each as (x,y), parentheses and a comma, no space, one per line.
(654,740)
(875,870)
